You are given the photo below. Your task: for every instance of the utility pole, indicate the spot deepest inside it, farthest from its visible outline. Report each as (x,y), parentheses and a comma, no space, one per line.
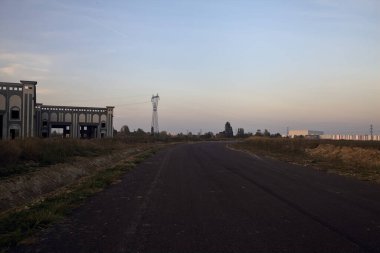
(154,128)
(371,131)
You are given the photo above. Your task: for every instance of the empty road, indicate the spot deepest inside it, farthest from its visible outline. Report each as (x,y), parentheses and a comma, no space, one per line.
(205,197)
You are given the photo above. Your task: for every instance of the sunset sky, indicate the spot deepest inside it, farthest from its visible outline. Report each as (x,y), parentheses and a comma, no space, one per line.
(302,64)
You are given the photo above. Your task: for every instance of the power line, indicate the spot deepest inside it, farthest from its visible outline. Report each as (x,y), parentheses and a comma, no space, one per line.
(103,99)
(137,103)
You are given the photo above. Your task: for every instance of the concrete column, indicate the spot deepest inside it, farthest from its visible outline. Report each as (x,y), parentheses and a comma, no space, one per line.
(28,104)
(109,122)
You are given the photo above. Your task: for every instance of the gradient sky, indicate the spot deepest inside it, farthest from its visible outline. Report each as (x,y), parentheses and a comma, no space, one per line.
(302,64)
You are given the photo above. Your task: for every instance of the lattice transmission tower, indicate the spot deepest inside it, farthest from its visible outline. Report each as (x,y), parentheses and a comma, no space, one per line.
(154,129)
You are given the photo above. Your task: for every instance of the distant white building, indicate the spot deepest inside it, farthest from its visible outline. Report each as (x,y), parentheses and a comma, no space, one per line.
(304,133)
(320,135)
(353,137)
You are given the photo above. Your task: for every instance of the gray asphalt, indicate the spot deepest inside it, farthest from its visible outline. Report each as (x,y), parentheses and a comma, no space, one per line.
(205,197)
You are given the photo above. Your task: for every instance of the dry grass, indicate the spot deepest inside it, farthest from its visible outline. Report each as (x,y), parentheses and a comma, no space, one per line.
(355,158)
(23,188)
(21,223)
(43,179)
(19,156)
(363,163)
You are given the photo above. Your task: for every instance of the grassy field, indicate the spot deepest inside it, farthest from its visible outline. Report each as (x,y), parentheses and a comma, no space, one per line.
(360,159)
(22,222)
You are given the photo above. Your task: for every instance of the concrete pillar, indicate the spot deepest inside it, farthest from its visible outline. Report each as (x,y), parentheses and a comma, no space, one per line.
(29,102)
(109,123)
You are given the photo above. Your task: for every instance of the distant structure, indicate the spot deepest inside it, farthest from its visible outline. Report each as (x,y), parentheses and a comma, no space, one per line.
(74,122)
(312,134)
(304,133)
(17,114)
(22,117)
(154,128)
(351,137)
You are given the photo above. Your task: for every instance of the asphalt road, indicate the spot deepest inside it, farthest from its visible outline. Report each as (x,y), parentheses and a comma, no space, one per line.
(206,198)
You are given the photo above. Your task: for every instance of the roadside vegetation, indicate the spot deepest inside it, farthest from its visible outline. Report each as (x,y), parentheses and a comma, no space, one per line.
(360,159)
(20,156)
(22,224)
(42,180)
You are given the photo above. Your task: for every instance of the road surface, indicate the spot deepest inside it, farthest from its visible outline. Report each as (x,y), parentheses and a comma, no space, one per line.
(205,197)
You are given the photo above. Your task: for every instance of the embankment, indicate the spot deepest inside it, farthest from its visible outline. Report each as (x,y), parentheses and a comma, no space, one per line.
(25,188)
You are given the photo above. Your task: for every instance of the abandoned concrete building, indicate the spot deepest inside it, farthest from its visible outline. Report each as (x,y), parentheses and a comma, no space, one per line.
(22,117)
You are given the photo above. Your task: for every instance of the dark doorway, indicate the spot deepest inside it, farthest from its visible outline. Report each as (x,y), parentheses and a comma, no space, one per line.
(88,132)
(1,127)
(14,133)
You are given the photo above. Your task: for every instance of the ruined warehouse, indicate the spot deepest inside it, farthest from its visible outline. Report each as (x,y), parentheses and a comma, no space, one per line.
(22,117)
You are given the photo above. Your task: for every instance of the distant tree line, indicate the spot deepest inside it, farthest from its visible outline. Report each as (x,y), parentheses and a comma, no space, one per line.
(228,132)
(140,135)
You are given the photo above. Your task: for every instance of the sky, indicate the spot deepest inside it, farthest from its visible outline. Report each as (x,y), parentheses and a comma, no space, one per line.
(259,64)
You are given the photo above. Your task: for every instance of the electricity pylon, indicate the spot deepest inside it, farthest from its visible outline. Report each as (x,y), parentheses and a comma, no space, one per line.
(154,129)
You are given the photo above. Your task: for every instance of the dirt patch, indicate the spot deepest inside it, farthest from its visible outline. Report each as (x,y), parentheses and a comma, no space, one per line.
(22,189)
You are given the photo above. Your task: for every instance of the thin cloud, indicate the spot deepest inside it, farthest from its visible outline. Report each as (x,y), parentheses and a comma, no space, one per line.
(355,6)
(24,65)
(10,69)
(44,91)
(32,58)
(107,27)
(83,11)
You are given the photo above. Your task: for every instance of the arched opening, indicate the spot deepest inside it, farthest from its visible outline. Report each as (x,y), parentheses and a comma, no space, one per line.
(1,126)
(14,132)
(15,113)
